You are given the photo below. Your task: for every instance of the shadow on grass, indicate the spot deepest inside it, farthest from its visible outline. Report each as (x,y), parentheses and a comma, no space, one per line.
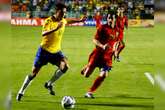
(126,96)
(109,101)
(123,96)
(117,105)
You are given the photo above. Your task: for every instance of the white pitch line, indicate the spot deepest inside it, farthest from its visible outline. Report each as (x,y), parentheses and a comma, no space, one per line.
(149,76)
(160,81)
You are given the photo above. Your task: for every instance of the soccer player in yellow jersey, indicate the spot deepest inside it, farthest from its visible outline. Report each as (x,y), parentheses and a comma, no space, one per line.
(50,49)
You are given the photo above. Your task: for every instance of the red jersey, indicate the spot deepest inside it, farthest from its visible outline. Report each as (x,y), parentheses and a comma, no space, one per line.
(99,57)
(121,22)
(98,19)
(105,34)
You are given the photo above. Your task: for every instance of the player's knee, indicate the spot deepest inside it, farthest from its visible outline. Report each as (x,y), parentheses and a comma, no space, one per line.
(64,66)
(31,77)
(103,77)
(88,71)
(103,74)
(35,71)
(64,69)
(104,71)
(122,44)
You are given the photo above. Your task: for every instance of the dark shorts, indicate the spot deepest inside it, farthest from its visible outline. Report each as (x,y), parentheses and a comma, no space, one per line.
(44,57)
(105,68)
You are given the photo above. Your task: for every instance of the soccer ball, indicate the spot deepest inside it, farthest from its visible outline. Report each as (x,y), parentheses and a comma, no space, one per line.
(68,102)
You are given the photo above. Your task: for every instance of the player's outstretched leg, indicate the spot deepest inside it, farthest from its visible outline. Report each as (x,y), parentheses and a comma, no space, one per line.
(26,83)
(120,48)
(115,49)
(58,73)
(49,85)
(87,70)
(98,81)
(95,85)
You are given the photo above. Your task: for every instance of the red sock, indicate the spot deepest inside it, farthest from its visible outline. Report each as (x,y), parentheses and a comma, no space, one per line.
(96,83)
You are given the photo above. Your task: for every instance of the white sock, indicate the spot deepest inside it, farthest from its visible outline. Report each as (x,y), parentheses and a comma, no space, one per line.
(55,77)
(25,85)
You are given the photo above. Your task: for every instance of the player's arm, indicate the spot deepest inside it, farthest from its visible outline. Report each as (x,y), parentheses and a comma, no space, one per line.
(46,32)
(70,21)
(97,37)
(99,44)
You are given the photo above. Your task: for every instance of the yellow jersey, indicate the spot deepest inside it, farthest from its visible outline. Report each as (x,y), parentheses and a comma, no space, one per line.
(52,41)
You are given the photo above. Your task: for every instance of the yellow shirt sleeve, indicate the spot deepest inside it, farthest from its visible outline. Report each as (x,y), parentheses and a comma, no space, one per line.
(46,26)
(65,21)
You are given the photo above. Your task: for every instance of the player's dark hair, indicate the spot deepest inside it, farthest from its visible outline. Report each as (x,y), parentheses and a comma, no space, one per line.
(60,6)
(123,5)
(111,14)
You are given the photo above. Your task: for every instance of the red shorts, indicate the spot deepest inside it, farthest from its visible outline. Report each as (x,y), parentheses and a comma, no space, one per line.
(100,58)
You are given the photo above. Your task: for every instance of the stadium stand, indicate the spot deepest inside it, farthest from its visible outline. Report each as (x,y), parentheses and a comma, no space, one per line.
(136,9)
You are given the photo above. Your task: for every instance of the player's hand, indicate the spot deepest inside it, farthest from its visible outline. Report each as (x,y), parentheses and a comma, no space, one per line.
(84,18)
(106,46)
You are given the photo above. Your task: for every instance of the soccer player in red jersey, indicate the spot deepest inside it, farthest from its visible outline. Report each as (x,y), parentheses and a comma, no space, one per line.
(121,23)
(98,19)
(101,56)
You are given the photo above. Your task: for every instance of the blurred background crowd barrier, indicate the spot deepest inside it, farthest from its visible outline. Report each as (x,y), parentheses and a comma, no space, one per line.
(137,10)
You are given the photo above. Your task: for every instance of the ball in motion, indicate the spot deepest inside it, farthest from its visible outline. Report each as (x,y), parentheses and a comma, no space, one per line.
(68,102)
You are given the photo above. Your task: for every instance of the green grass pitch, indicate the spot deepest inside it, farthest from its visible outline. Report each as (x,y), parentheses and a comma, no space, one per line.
(126,87)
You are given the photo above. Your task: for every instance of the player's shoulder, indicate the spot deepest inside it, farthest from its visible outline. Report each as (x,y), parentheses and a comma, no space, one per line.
(64,20)
(47,20)
(102,27)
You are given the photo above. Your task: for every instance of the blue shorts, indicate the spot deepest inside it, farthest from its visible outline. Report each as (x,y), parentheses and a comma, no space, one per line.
(44,57)
(106,68)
